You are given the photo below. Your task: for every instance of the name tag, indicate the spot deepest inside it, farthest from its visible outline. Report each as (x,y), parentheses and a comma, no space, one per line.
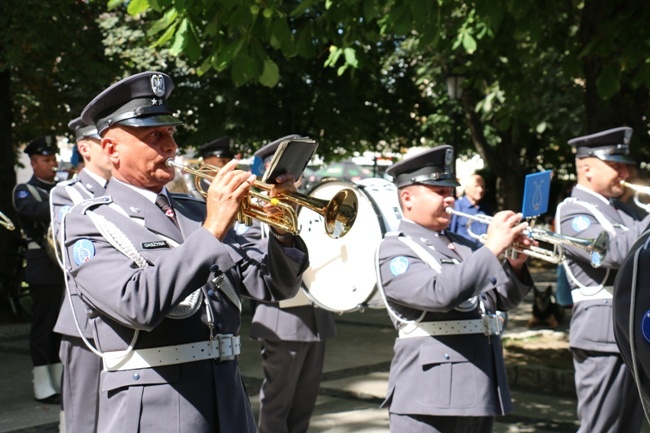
(448,261)
(154,244)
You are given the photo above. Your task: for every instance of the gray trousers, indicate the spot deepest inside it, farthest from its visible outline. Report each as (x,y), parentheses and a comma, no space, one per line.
(292,372)
(608,401)
(80,390)
(440,424)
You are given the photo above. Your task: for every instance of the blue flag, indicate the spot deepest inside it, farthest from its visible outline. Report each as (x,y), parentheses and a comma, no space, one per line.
(536,193)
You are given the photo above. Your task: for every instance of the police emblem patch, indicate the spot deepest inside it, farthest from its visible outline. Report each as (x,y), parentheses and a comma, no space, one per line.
(580,223)
(399,265)
(82,251)
(22,194)
(63,211)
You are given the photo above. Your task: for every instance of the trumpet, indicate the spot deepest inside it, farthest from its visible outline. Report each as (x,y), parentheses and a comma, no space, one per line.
(597,247)
(6,222)
(639,189)
(339,213)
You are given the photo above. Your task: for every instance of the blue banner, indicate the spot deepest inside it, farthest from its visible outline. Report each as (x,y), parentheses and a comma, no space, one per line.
(536,194)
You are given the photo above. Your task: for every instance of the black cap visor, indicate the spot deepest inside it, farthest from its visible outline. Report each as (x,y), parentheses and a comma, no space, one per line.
(149,121)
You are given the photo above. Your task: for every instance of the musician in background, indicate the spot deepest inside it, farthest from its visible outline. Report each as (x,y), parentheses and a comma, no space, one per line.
(471,203)
(607,398)
(163,274)
(43,274)
(81,367)
(216,153)
(442,294)
(293,335)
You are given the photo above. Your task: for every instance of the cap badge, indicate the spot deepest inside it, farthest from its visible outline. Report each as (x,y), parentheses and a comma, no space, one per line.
(449,157)
(48,140)
(158,85)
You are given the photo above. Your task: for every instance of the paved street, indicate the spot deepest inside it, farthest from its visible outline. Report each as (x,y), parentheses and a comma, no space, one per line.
(353,386)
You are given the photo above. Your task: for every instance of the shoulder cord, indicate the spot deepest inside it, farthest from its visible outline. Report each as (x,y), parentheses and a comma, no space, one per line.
(631,321)
(607,226)
(76,197)
(425,257)
(76,321)
(120,242)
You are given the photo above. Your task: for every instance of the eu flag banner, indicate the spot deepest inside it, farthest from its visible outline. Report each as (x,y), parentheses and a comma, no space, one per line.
(536,193)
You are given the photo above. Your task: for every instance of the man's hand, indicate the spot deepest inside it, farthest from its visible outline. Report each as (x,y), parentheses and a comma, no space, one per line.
(505,229)
(224,198)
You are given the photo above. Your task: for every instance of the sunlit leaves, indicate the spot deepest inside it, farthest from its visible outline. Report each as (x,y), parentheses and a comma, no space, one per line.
(137,6)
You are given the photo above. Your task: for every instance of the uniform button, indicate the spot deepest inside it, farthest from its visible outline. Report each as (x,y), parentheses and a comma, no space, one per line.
(210,293)
(214,268)
(493,280)
(446,356)
(136,376)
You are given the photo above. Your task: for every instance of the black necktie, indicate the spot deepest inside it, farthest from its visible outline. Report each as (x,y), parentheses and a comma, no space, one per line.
(163,203)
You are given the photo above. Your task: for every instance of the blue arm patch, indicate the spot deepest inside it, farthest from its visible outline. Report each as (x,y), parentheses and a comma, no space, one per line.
(82,251)
(580,223)
(399,265)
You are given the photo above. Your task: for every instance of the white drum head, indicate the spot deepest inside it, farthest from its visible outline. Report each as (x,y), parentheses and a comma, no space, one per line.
(341,276)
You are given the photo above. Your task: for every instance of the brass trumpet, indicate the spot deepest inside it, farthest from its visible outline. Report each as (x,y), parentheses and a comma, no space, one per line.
(596,247)
(6,222)
(339,213)
(639,189)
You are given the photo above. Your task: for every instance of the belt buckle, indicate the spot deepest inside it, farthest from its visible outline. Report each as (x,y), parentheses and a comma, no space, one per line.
(491,325)
(226,352)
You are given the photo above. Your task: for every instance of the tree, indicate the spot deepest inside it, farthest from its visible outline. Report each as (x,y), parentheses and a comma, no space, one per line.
(536,78)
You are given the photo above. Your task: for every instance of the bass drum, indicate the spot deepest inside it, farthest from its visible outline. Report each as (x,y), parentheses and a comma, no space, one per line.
(341,277)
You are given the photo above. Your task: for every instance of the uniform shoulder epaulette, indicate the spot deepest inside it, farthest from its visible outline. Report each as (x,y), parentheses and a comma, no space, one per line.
(94,202)
(68,182)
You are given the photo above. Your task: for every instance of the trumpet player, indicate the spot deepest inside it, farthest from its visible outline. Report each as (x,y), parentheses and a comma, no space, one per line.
(163,275)
(442,293)
(607,398)
(44,276)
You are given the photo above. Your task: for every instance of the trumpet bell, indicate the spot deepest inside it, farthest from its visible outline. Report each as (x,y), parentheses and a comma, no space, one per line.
(341,213)
(599,249)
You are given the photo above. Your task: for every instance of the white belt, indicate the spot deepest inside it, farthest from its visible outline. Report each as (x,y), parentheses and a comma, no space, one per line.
(605,293)
(487,325)
(222,348)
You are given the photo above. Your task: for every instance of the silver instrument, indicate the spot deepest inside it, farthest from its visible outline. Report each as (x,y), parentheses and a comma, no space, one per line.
(596,247)
(6,222)
(638,190)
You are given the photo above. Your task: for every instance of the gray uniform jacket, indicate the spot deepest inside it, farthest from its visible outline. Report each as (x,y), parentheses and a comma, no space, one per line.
(455,375)
(591,322)
(202,396)
(61,203)
(302,323)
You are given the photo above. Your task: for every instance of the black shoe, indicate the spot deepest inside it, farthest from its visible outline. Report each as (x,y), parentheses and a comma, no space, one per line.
(53,399)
